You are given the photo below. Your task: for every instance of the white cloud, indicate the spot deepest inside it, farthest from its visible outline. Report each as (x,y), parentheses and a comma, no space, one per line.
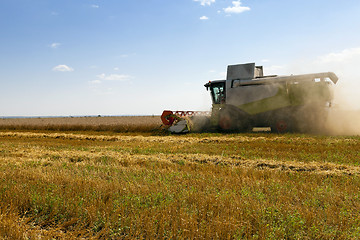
(345,65)
(236,8)
(205,2)
(126,55)
(116,69)
(217,75)
(55,45)
(114,77)
(94,6)
(106,84)
(345,55)
(62,68)
(95,82)
(204,18)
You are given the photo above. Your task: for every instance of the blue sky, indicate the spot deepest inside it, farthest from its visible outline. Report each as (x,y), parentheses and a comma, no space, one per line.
(138,57)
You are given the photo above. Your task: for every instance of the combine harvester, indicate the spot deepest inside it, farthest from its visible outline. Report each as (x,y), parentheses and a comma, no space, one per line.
(248,99)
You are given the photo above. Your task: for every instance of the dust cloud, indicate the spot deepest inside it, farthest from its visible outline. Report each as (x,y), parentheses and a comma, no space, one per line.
(200,123)
(343,117)
(343,122)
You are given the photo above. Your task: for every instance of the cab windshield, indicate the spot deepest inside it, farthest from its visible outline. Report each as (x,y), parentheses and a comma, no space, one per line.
(218,93)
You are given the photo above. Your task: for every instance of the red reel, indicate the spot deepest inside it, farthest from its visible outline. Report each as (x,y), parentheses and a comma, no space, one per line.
(166,117)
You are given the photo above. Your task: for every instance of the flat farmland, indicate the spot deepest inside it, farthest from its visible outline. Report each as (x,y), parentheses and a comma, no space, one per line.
(148,185)
(115,124)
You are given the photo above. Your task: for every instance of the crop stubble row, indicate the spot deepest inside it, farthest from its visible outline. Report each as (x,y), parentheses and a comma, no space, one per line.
(199,185)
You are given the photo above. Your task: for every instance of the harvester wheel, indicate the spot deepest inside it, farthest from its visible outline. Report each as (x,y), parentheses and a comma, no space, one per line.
(225,122)
(282,126)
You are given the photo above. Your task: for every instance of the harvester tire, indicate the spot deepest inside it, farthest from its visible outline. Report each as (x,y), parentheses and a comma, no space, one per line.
(282,125)
(225,121)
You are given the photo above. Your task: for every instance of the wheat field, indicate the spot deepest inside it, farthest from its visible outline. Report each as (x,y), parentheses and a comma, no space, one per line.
(150,185)
(114,124)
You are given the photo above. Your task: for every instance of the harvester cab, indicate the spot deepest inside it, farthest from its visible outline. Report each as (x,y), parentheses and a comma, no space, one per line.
(248,99)
(217,90)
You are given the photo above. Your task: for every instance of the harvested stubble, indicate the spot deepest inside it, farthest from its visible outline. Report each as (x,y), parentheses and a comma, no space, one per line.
(114,124)
(210,186)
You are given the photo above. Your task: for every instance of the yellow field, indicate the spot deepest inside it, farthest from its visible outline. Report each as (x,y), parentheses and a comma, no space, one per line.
(105,185)
(115,124)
